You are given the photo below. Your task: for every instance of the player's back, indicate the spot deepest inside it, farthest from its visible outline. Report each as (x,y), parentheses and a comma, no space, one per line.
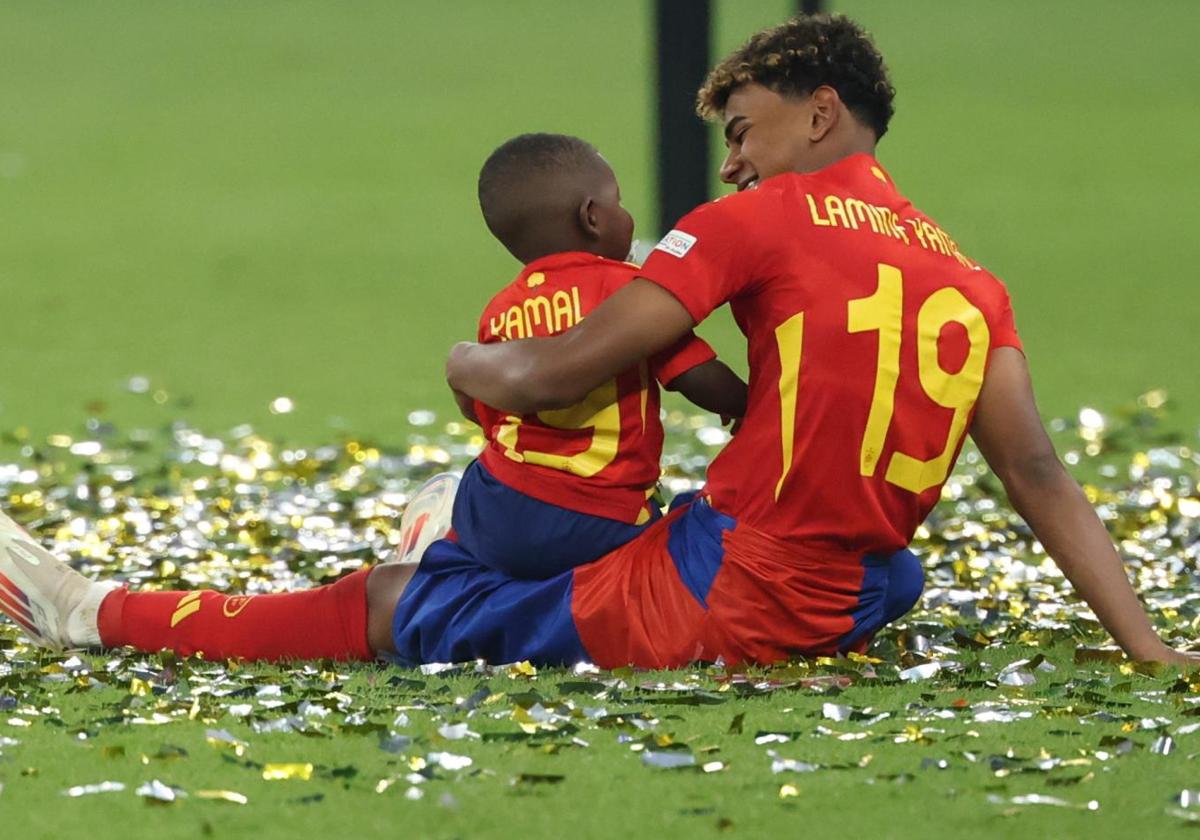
(869,334)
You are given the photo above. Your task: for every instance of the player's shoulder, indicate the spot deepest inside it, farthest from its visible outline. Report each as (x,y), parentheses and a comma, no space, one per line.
(747,203)
(989,285)
(728,219)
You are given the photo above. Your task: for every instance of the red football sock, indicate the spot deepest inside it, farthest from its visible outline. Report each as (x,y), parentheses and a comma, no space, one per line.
(325,622)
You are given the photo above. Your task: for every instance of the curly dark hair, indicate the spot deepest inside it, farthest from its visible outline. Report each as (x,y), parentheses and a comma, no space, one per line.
(799,56)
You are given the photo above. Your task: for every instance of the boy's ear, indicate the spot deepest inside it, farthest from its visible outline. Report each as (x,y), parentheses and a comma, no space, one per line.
(589,220)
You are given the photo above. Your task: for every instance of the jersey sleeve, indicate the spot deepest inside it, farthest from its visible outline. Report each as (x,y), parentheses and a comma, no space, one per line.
(710,257)
(689,352)
(1004,331)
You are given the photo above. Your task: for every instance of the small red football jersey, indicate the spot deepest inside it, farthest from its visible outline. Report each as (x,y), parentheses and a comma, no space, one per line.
(869,336)
(600,456)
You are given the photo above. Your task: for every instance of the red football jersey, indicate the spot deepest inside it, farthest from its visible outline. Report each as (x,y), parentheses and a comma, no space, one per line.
(869,336)
(600,456)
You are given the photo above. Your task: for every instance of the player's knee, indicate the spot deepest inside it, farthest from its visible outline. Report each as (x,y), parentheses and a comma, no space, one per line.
(385,585)
(906,582)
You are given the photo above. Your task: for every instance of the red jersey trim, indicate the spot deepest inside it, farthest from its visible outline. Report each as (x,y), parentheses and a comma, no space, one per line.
(688,353)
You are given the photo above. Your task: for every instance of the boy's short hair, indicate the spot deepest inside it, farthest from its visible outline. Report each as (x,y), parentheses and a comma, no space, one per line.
(799,56)
(518,162)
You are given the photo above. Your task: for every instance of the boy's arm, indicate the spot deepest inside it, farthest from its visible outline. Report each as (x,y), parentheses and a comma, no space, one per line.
(1010,435)
(713,387)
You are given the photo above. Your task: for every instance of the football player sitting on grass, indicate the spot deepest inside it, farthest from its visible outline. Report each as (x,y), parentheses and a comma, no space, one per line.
(875,346)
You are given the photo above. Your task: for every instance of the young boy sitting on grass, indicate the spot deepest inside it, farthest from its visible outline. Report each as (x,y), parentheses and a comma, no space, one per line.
(559,488)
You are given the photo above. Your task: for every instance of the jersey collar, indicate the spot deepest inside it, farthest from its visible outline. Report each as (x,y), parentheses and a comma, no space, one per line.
(566,259)
(859,163)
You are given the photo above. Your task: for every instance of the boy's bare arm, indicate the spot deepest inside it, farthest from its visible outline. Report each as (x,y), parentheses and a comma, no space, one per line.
(1010,435)
(713,387)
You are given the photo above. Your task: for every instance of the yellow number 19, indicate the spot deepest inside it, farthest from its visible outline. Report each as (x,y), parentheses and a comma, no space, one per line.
(882,313)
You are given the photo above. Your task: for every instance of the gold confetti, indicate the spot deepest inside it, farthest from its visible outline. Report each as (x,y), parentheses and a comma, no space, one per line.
(222,796)
(522,669)
(285,772)
(179,508)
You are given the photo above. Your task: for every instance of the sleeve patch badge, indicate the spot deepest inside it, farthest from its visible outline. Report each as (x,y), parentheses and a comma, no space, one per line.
(676,243)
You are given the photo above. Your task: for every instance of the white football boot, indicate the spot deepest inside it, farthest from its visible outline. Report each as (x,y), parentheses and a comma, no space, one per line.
(54,604)
(427,517)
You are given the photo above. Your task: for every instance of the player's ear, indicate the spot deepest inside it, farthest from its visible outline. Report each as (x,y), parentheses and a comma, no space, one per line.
(824,112)
(589,219)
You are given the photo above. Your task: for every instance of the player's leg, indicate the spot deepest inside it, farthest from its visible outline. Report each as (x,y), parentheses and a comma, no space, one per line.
(891,586)
(636,605)
(324,622)
(906,582)
(58,607)
(385,587)
(695,585)
(55,605)
(772,599)
(455,609)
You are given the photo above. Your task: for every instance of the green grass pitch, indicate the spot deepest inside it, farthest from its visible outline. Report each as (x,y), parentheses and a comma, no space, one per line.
(243,201)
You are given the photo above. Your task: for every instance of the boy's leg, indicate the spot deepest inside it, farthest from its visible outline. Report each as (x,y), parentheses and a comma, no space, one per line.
(523,537)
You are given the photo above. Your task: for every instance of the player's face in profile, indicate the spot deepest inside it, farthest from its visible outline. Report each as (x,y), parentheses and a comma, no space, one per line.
(767,135)
(614,223)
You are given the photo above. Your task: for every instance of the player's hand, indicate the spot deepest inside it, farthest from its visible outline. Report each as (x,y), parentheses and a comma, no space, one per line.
(1169,656)
(1181,658)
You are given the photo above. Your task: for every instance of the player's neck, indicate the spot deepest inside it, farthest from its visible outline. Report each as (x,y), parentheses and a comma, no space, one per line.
(853,143)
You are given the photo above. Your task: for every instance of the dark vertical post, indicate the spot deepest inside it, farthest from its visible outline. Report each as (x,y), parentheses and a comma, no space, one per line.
(811,7)
(683,52)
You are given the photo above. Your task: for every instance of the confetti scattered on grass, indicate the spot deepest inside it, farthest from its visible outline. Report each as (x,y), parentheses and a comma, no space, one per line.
(1000,692)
